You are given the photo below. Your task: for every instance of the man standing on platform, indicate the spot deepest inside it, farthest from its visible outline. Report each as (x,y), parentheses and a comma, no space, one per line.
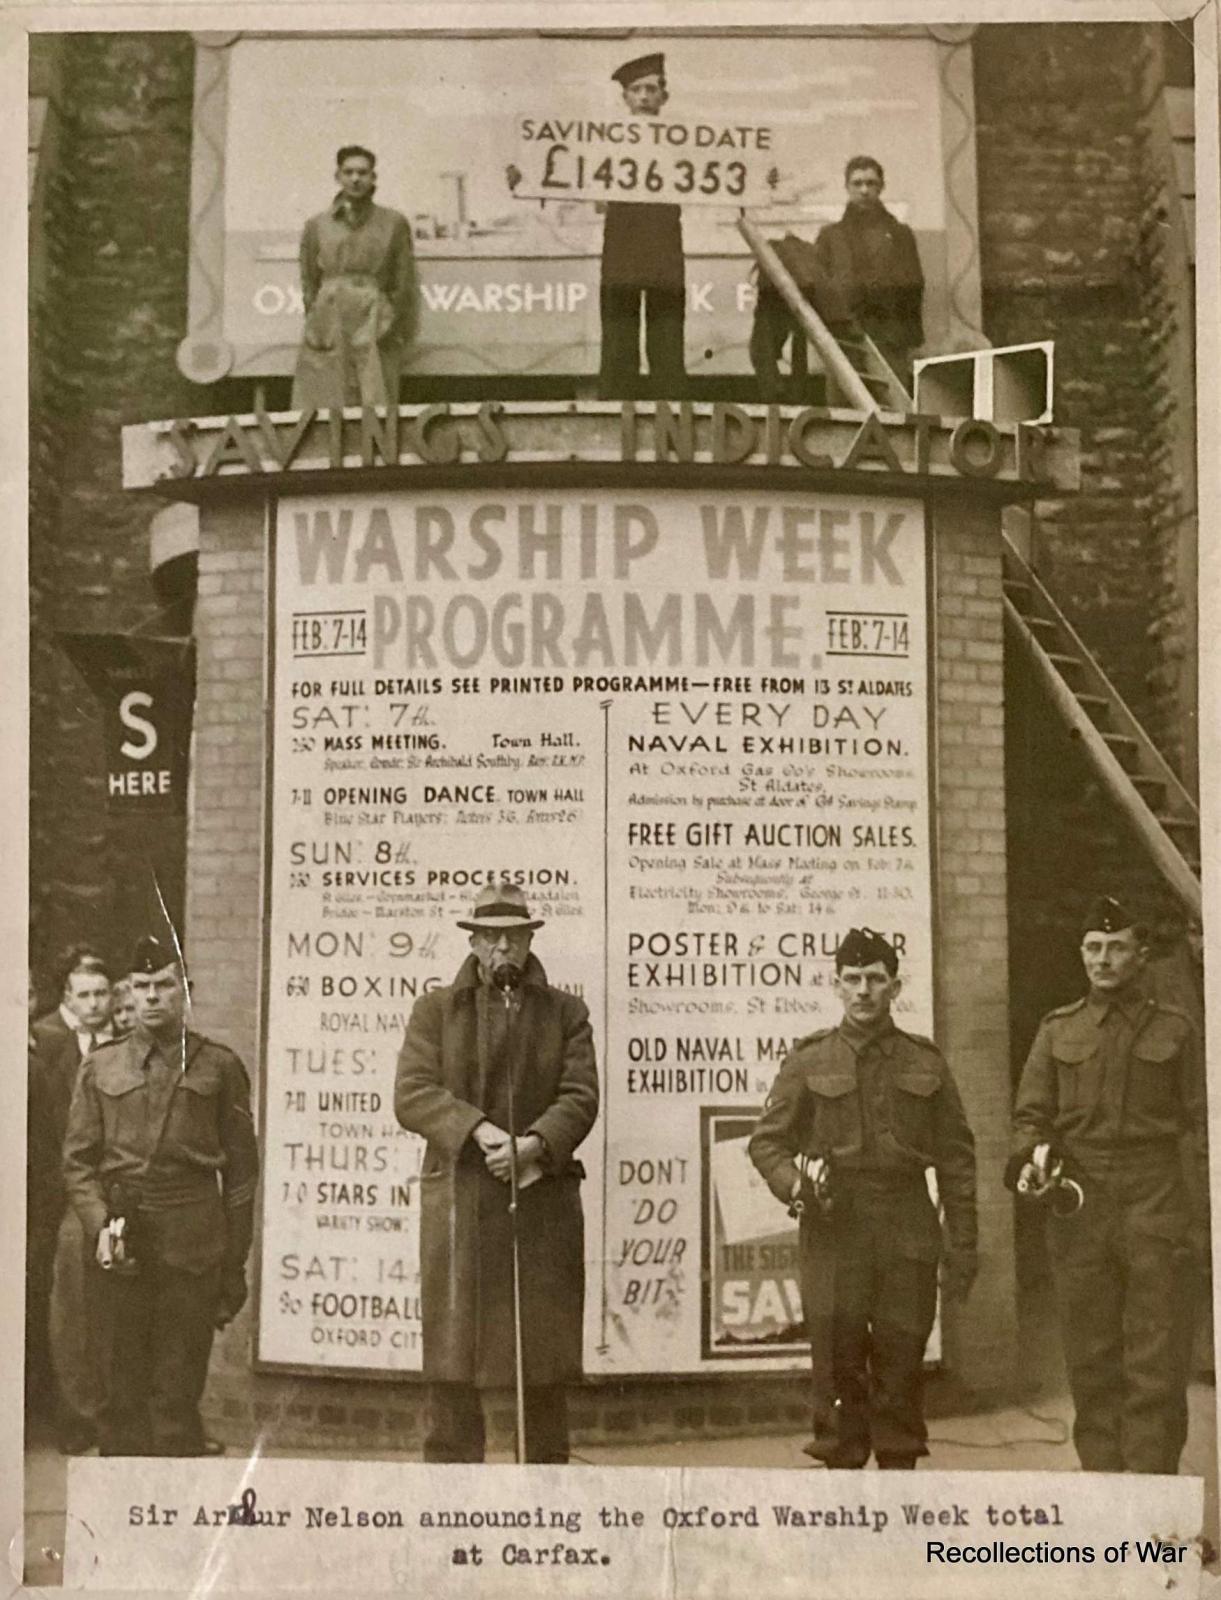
(856,1115)
(642,261)
(358,283)
(496,1054)
(160,1162)
(1112,1100)
(868,271)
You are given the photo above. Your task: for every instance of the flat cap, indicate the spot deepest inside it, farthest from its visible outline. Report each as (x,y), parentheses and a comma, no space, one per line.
(640,67)
(861,947)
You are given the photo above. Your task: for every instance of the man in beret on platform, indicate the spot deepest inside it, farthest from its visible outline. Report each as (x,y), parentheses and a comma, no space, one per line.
(160,1163)
(857,1114)
(642,261)
(499,1020)
(1112,1098)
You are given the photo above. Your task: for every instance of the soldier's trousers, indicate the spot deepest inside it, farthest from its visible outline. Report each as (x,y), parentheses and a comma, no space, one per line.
(74,1328)
(1124,1284)
(870,1296)
(157,1328)
(664,309)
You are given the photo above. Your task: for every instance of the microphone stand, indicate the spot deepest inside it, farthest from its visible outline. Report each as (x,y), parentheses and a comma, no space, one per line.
(507,979)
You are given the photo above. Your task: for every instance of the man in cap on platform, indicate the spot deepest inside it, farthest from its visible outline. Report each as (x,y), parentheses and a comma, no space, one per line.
(1112,1098)
(499,1021)
(160,1163)
(856,1116)
(642,261)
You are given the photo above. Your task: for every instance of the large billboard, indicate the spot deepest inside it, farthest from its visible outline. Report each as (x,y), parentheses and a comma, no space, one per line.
(695,729)
(503,151)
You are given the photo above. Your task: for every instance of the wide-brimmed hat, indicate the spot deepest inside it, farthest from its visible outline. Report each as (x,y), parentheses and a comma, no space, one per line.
(499,905)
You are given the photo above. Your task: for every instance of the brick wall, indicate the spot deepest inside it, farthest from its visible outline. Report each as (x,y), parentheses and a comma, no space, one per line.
(224,945)
(109,307)
(1060,160)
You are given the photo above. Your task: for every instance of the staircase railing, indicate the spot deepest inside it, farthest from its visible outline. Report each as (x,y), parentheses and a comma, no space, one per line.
(1165,854)
(835,362)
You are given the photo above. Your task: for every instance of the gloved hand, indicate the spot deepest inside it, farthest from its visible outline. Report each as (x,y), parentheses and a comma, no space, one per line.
(958,1272)
(232,1296)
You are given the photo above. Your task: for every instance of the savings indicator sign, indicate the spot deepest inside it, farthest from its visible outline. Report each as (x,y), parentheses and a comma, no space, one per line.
(650,160)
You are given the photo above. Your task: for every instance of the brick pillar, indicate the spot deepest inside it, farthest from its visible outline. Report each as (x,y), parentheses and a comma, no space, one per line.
(224,892)
(972,922)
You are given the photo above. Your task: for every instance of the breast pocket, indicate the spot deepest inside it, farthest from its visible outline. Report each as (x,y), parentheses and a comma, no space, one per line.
(1153,1075)
(123,1113)
(1078,1073)
(911,1109)
(835,1120)
(194,1119)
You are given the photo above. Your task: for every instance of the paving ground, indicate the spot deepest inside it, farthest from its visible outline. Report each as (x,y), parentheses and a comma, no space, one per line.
(1013,1440)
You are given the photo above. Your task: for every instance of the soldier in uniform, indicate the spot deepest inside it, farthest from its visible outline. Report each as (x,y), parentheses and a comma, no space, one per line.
(1112,1097)
(642,261)
(160,1163)
(856,1115)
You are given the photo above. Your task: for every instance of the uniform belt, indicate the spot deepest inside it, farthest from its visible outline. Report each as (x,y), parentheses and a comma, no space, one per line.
(891,1180)
(163,1194)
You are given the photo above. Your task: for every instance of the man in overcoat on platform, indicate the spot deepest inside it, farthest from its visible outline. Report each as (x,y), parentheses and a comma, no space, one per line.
(499,1020)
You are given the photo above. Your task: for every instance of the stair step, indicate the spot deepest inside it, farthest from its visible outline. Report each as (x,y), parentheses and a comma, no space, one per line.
(1179,826)
(1096,706)
(1065,665)
(1151,790)
(1124,748)
(1043,625)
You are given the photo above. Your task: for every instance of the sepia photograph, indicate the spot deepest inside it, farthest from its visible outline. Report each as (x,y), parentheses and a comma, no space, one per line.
(620,687)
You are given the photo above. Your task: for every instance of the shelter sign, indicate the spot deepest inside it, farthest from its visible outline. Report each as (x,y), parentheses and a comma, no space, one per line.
(694,729)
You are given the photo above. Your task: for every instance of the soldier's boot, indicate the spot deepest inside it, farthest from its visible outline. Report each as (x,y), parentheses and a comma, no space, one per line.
(896,1461)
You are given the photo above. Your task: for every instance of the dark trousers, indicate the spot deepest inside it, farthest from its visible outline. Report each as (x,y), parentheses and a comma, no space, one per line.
(39,1378)
(870,1298)
(664,310)
(157,1328)
(456,1427)
(1126,1299)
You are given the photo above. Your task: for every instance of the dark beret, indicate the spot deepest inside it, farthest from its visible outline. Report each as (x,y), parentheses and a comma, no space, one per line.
(152,955)
(1107,915)
(861,947)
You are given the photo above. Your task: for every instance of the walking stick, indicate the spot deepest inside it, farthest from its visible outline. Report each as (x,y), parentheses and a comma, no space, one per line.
(507,979)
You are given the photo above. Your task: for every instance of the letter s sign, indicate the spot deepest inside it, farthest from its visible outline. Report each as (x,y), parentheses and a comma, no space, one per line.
(129,708)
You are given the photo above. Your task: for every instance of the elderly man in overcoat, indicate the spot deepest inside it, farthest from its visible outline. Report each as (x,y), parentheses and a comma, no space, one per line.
(856,1116)
(500,1023)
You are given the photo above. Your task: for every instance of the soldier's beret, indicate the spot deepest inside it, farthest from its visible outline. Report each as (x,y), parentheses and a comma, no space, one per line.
(1107,915)
(153,955)
(641,67)
(861,947)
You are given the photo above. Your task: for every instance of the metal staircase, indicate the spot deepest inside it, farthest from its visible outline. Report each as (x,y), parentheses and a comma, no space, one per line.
(1133,770)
